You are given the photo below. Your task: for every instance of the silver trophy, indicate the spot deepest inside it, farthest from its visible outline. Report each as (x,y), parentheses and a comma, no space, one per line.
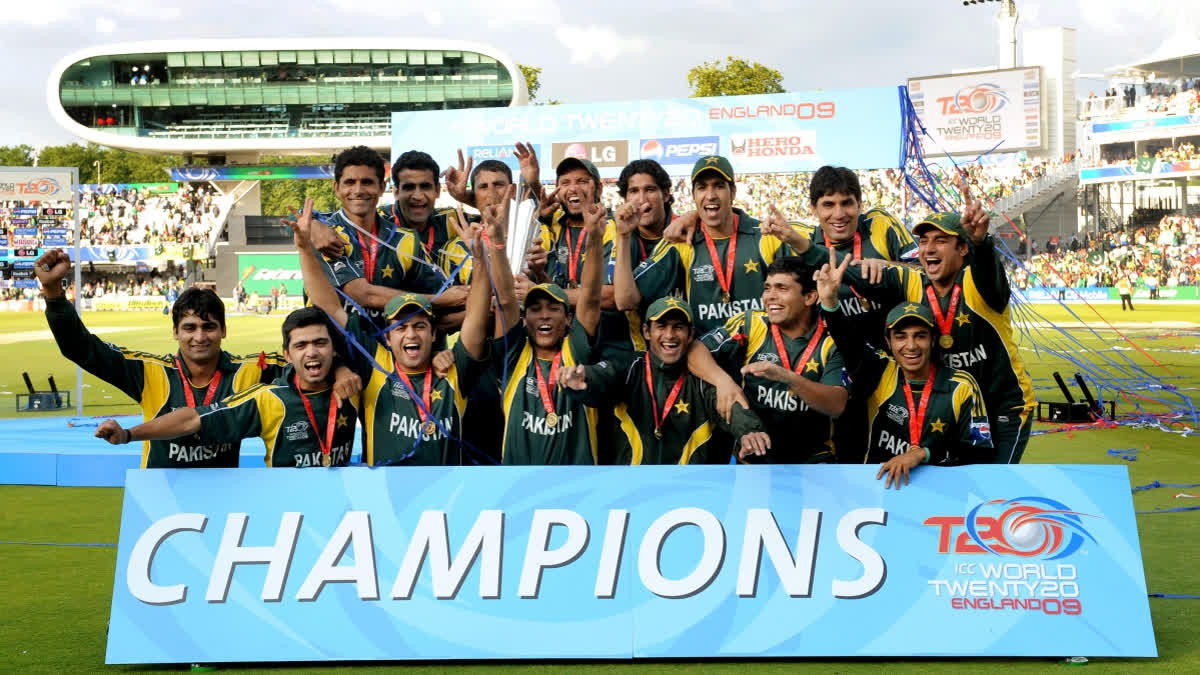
(523,228)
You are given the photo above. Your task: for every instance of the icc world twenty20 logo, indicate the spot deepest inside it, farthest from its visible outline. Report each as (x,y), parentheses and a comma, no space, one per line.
(974,100)
(1026,527)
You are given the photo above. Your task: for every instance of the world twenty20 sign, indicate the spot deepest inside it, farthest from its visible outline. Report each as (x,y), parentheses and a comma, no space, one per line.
(241,565)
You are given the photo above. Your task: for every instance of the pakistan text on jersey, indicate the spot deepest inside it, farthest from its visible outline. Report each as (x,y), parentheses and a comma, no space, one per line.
(721,310)
(537,425)
(963,360)
(780,399)
(411,427)
(894,445)
(340,454)
(196,453)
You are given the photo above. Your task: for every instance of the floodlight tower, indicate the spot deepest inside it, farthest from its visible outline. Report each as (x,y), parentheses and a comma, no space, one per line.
(1006,31)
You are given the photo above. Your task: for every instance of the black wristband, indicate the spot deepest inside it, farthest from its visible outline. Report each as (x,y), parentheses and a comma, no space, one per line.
(128,436)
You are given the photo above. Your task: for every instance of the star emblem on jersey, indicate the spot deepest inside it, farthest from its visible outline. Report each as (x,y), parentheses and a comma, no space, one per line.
(341,422)
(751,266)
(435,396)
(681,408)
(387,271)
(937,425)
(963,319)
(811,367)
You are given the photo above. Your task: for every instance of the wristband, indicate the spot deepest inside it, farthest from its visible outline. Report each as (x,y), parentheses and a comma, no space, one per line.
(128,437)
(926,456)
(832,309)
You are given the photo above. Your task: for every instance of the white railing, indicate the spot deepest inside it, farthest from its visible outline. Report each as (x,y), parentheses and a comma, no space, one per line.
(1031,190)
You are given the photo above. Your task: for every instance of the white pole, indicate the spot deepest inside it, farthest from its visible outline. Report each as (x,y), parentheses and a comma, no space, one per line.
(78,284)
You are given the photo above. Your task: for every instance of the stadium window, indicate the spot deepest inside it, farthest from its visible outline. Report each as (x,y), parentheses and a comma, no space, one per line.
(416,58)
(175,60)
(306,58)
(433,58)
(341,56)
(194,59)
(250,59)
(361,56)
(268,58)
(324,56)
(287,57)
(212,59)
(398,57)
(470,57)
(379,56)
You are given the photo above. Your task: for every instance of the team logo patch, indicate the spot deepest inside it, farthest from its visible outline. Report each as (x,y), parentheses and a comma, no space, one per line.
(297,431)
(398,389)
(767,356)
(897,414)
(703,273)
(530,385)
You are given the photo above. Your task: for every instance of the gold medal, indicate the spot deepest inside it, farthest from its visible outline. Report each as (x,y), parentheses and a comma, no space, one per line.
(429,428)
(326,460)
(866,304)
(657,432)
(552,420)
(946,341)
(725,298)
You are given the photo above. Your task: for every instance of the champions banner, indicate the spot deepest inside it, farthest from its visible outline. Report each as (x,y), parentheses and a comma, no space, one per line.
(769,133)
(245,565)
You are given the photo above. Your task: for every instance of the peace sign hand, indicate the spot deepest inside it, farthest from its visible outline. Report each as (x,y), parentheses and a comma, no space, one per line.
(829,278)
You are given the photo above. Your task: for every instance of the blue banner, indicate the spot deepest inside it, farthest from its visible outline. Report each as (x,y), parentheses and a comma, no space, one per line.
(246,565)
(1154,122)
(801,131)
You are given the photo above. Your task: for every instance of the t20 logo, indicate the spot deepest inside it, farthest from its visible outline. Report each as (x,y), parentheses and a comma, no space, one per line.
(1025,527)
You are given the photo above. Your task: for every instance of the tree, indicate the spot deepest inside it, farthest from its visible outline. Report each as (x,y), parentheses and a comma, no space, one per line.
(532,80)
(16,155)
(735,77)
(277,195)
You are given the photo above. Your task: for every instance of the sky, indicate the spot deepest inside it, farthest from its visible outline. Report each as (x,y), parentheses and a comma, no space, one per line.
(613,50)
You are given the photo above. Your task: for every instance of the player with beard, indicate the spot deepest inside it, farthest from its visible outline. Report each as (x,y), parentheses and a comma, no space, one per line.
(411,415)
(564,237)
(543,424)
(369,256)
(720,269)
(965,286)
(298,416)
(789,367)
(662,414)
(198,373)
(917,412)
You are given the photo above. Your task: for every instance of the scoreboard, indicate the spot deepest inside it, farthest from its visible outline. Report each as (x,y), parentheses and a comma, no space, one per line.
(24,233)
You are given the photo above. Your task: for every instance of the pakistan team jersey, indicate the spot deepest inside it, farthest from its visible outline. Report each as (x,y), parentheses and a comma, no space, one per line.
(798,433)
(980,326)
(685,433)
(528,437)
(155,383)
(275,413)
(395,429)
(955,427)
(399,261)
(438,232)
(619,333)
(456,256)
(687,270)
(879,236)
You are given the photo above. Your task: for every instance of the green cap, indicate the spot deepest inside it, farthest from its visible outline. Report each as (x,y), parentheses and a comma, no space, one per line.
(947,222)
(665,305)
(910,310)
(572,163)
(409,302)
(713,163)
(552,291)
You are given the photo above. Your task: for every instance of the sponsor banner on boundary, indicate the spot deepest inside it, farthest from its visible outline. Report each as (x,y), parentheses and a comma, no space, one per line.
(260,272)
(992,110)
(152,303)
(247,565)
(856,128)
(1069,295)
(1164,293)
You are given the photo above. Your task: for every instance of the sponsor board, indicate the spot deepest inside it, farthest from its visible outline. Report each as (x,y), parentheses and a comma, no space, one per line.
(679,150)
(979,112)
(239,565)
(501,153)
(260,272)
(773,146)
(604,154)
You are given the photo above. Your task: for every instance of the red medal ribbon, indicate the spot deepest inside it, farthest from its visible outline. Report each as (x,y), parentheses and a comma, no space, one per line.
(724,276)
(429,239)
(421,413)
(857,244)
(808,351)
(945,322)
(330,424)
(659,420)
(573,251)
(209,394)
(369,253)
(916,415)
(547,402)
(642,246)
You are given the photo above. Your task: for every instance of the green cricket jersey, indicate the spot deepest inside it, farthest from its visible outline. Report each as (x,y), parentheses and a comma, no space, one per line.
(687,432)
(882,237)
(456,253)
(155,383)
(799,434)
(400,261)
(619,333)
(276,414)
(528,439)
(981,326)
(393,431)
(955,428)
(439,231)
(687,270)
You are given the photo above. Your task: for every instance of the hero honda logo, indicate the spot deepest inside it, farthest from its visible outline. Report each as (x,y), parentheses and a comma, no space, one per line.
(684,150)
(974,100)
(1025,527)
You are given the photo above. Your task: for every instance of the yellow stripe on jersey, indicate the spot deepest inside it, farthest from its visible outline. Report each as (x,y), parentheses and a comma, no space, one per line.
(270,415)
(757,333)
(589,413)
(631,433)
(699,437)
(370,399)
(883,391)
(964,386)
(247,375)
(1002,324)
(155,390)
(405,249)
(516,378)
(881,223)
(635,330)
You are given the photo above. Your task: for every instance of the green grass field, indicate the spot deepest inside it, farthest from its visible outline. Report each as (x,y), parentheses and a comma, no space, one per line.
(54,600)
